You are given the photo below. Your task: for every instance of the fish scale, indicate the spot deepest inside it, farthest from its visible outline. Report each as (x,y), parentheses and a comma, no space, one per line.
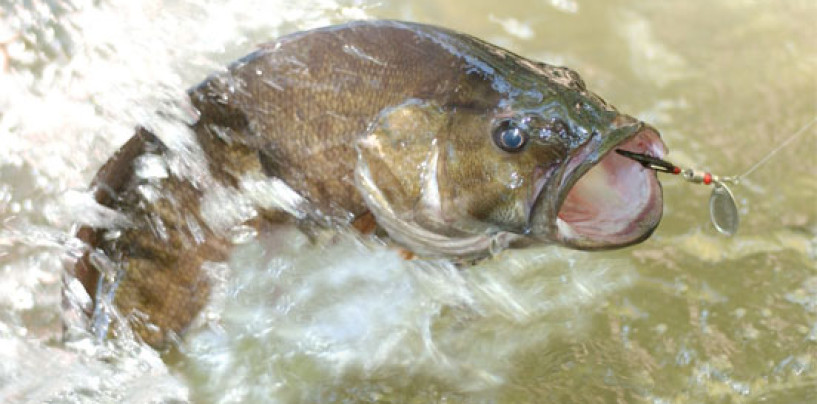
(385,118)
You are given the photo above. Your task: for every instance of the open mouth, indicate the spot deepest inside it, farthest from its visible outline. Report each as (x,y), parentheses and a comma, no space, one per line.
(617,202)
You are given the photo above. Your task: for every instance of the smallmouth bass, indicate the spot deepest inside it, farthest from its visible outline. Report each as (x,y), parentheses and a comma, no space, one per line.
(453,146)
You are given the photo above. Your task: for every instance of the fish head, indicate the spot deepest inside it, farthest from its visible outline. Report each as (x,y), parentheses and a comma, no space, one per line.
(537,166)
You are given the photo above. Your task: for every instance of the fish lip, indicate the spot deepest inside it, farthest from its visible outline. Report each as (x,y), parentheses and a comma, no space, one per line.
(624,130)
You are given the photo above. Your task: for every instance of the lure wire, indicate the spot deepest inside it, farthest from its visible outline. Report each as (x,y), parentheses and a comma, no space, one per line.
(723,211)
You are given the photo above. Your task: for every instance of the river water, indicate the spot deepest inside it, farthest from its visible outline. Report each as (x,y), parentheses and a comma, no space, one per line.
(688,316)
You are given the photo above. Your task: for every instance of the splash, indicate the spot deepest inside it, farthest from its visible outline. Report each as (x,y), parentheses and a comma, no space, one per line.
(350,311)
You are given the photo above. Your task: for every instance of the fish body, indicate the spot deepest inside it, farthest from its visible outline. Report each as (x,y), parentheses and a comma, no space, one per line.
(456,147)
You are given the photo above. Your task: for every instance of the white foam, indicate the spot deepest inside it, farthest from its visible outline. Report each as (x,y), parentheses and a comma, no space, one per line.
(353,308)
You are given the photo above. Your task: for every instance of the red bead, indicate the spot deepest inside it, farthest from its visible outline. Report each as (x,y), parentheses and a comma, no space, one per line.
(707,178)
(676,170)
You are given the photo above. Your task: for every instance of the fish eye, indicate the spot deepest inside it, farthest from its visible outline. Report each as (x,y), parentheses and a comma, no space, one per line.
(510,137)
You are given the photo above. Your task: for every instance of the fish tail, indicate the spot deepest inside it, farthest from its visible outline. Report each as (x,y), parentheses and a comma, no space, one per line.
(149,276)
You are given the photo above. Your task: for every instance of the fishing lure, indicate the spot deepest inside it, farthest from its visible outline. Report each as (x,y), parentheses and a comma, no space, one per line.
(723,211)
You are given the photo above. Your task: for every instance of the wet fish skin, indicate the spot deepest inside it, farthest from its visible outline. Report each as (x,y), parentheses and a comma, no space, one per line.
(328,111)
(345,79)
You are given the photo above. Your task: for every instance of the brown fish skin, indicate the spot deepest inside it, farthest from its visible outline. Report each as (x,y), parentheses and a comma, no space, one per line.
(340,111)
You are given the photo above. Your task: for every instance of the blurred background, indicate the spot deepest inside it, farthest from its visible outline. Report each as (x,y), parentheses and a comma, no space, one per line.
(687,316)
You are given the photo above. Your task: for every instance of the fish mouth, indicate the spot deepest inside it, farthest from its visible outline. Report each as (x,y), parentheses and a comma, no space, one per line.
(607,200)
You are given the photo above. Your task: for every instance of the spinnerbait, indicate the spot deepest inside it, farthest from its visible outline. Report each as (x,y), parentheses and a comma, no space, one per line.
(722,208)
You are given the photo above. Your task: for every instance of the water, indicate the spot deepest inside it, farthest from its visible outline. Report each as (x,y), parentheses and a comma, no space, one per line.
(687,316)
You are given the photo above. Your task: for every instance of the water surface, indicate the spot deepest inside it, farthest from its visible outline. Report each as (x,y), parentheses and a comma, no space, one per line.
(687,316)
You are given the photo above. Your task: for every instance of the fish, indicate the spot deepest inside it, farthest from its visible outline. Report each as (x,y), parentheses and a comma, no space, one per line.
(446,144)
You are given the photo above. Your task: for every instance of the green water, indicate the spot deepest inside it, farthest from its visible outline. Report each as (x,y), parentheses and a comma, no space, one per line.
(688,316)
